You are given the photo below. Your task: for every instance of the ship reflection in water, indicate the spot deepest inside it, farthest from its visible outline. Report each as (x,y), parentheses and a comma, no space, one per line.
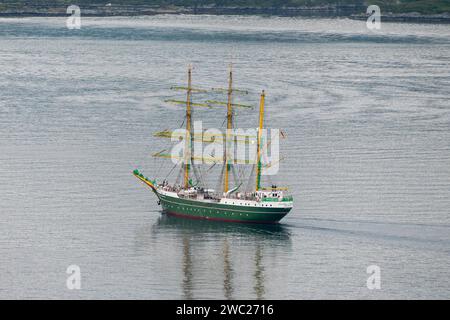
(228,257)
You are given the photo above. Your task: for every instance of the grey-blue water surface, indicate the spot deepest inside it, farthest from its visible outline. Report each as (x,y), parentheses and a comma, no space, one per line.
(367,158)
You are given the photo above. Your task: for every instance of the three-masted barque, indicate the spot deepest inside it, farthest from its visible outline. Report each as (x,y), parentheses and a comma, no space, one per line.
(194,200)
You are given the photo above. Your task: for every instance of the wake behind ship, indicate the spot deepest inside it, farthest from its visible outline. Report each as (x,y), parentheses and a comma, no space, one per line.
(194,199)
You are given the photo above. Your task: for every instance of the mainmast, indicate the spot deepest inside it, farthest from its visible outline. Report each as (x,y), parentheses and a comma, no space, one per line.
(187,147)
(229,127)
(258,146)
(187,158)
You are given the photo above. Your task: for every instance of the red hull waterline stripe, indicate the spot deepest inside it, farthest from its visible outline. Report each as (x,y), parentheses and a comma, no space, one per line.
(180,215)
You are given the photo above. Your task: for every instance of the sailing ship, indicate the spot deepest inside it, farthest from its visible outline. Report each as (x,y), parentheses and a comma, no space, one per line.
(230,204)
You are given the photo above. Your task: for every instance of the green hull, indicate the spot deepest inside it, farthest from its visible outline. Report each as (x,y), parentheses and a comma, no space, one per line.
(195,209)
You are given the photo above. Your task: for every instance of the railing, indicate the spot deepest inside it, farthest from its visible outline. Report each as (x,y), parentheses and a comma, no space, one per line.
(285,198)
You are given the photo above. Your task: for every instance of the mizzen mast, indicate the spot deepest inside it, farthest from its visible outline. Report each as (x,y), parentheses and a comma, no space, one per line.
(258,146)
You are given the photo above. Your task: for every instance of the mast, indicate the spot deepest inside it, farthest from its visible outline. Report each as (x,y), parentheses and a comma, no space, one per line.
(258,146)
(187,147)
(229,127)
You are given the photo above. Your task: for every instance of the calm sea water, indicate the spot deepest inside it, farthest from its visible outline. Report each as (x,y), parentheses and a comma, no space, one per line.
(367,158)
